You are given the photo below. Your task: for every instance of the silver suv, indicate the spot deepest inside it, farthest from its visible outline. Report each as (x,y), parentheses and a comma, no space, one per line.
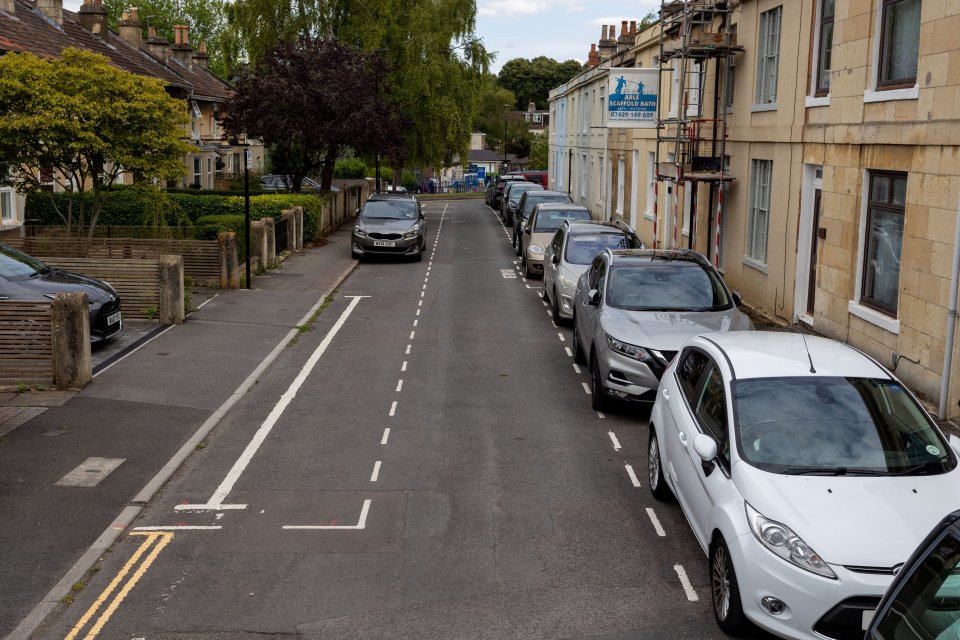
(390,224)
(634,309)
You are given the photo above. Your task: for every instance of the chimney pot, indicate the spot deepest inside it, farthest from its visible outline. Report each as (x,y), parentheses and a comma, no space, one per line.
(130,28)
(93,17)
(633,27)
(623,28)
(603,35)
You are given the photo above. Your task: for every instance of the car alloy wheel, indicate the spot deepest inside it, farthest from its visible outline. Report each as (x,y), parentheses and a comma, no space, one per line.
(598,395)
(658,487)
(555,309)
(727,608)
(578,356)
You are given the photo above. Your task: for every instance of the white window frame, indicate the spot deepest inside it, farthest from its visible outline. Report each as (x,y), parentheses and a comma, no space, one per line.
(695,90)
(812,99)
(651,185)
(621,184)
(875,94)
(758,217)
(768,60)
(8,204)
(197,170)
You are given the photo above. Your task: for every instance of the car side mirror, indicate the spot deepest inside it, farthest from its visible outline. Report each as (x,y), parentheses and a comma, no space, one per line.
(594,297)
(527,231)
(555,258)
(422,216)
(737,298)
(706,448)
(357,213)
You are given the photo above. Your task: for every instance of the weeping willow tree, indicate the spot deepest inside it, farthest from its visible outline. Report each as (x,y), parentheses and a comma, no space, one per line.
(435,61)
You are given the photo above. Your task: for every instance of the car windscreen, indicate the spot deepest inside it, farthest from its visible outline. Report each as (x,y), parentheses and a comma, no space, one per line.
(534,198)
(516,192)
(583,247)
(666,286)
(551,219)
(399,209)
(14,264)
(824,425)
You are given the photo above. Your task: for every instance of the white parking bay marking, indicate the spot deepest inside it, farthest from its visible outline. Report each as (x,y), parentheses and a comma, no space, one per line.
(633,476)
(601,415)
(569,352)
(685,581)
(576,367)
(586,388)
(656,522)
(613,438)
(562,338)
(508,274)
(220,494)
(361,524)
(90,472)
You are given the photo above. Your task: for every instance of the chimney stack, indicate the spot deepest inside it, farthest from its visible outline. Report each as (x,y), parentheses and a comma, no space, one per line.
(53,9)
(130,29)
(157,45)
(93,17)
(594,58)
(633,27)
(608,42)
(200,57)
(181,47)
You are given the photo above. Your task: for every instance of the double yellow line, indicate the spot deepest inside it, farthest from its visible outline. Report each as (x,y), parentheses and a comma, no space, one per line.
(155,542)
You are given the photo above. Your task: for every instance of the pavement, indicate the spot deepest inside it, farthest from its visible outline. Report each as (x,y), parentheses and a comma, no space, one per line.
(77,466)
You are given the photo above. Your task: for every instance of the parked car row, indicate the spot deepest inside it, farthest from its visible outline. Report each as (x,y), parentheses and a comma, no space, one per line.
(806,470)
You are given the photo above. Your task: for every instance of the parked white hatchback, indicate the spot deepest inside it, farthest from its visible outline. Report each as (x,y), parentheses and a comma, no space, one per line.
(807,472)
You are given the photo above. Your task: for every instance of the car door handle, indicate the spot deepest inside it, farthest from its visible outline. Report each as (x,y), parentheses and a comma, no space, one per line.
(683,438)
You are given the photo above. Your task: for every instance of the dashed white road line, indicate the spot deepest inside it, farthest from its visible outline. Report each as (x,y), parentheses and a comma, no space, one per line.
(601,415)
(403,367)
(656,522)
(569,352)
(633,476)
(685,581)
(376,471)
(408,349)
(386,436)
(576,368)
(562,338)
(613,438)
(399,385)
(586,387)
(393,408)
(412,334)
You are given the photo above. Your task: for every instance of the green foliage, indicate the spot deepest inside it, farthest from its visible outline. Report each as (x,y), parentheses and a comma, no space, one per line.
(132,206)
(539,151)
(494,103)
(532,80)
(75,115)
(150,313)
(350,169)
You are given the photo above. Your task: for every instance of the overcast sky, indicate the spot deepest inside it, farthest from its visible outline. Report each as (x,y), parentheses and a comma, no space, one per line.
(558,29)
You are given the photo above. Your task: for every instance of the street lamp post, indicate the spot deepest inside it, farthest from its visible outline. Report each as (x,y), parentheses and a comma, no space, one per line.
(247,162)
(506,109)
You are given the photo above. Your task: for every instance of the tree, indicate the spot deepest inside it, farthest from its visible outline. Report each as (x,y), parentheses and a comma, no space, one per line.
(81,122)
(532,80)
(308,101)
(539,151)
(434,59)
(493,104)
(206,19)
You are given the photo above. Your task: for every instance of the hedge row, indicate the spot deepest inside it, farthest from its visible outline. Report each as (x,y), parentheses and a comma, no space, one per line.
(135,207)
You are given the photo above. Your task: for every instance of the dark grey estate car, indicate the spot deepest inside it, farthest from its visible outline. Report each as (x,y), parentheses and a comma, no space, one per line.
(23,277)
(390,224)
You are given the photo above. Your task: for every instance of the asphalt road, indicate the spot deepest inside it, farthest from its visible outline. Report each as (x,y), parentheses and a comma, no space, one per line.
(423,463)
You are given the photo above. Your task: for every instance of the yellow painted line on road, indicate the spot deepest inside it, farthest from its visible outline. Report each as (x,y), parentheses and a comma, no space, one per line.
(162,539)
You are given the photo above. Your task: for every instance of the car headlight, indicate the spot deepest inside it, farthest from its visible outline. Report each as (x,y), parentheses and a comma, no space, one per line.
(359,230)
(629,350)
(412,232)
(782,541)
(536,250)
(567,283)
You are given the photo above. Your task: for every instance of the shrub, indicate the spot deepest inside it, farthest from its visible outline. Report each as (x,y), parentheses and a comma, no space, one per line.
(350,169)
(209,227)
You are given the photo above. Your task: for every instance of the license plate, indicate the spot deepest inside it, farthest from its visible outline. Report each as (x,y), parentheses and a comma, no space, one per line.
(384,243)
(866,618)
(113,318)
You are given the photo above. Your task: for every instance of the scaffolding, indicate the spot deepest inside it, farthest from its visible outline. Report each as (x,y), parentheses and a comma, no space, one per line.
(691,140)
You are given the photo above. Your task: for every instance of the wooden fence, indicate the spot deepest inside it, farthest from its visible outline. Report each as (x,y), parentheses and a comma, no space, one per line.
(26,343)
(201,258)
(137,281)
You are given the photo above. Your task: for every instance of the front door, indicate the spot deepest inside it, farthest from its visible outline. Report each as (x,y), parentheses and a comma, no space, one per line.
(814,245)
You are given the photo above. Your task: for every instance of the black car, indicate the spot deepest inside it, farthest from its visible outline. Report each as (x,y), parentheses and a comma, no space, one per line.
(23,277)
(495,190)
(284,183)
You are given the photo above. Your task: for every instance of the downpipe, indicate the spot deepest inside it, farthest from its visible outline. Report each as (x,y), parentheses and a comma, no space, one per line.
(951,322)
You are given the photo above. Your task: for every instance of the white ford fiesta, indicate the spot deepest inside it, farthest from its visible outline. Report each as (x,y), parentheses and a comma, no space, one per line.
(807,472)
